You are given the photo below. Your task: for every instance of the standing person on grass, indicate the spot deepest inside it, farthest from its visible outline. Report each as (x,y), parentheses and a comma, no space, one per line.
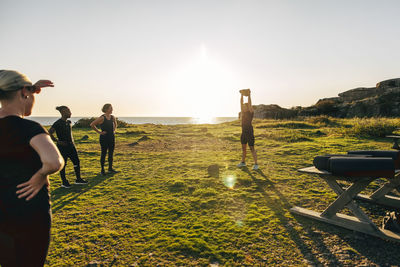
(27,158)
(247,137)
(108,125)
(66,145)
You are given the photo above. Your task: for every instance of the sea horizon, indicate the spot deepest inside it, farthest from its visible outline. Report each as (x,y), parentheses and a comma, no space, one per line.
(49,120)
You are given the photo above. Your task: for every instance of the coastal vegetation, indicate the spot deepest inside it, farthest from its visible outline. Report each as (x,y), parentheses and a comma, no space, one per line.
(164,208)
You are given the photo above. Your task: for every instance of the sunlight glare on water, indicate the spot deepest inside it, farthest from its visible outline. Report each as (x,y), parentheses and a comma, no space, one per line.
(203,120)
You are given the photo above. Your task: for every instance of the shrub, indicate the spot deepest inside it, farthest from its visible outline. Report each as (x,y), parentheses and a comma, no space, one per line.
(321,120)
(326,106)
(373,127)
(85,123)
(288,124)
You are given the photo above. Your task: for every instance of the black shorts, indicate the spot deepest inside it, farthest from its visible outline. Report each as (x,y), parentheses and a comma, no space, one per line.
(247,138)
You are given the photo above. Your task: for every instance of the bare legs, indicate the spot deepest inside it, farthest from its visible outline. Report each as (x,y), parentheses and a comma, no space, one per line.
(244,152)
(253,152)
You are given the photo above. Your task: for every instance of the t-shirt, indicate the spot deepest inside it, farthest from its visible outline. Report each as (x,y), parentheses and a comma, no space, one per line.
(18,163)
(247,118)
(63,130)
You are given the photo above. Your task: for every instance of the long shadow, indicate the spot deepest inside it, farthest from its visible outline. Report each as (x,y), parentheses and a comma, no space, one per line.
(62,196)
(379,251)
(280,208)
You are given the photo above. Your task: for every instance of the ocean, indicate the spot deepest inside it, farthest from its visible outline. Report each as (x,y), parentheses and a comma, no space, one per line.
(46,121)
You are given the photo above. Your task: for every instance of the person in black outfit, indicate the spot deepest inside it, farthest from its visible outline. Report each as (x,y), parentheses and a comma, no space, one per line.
(247,137)
(27,157)
(66,145)
(108,125)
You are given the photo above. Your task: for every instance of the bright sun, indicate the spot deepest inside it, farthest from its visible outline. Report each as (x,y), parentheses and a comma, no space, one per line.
(204,82)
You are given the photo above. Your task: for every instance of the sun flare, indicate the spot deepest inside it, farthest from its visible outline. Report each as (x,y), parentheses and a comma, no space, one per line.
(205,83)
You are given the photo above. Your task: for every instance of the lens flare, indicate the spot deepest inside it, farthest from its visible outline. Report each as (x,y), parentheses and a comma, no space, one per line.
(229,181)
(239,223)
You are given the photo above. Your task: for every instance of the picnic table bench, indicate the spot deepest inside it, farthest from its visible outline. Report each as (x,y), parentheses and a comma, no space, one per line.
(360,221)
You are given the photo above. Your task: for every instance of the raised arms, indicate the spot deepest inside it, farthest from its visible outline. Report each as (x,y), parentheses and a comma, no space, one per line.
(249,103)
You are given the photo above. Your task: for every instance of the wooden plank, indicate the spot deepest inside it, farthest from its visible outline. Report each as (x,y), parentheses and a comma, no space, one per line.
(357,211)
(345,198)
(386,188)
(342,220)
(313,170)
(348,222)
(388,201)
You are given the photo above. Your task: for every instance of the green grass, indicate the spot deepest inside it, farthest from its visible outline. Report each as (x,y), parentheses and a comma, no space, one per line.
(164,209)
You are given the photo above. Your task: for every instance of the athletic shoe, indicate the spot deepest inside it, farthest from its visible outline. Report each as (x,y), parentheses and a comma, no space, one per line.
(255,167)
(66,184)
(241,164)
(81,181)
(112,171)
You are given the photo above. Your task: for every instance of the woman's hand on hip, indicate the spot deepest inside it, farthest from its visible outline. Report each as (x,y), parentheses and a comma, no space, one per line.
(30,188)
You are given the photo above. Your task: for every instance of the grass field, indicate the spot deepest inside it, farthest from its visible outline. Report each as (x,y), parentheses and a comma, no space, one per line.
(164,209)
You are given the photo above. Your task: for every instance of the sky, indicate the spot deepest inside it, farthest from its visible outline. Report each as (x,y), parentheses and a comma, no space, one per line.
(190,58)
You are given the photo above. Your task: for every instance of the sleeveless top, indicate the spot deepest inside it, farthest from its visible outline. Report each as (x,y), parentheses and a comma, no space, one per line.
(107,126)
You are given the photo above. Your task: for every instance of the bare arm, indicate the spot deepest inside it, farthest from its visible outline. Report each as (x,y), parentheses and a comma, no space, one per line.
(250,105)
(241,102)
(52,162)
(42,83)
(115,124)
(51,132)
(96,122)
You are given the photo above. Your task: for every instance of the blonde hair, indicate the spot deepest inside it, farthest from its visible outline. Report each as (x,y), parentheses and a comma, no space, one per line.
(12,81)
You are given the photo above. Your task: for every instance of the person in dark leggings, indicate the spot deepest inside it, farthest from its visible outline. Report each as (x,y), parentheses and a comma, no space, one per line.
(108,125)
(66,145)
(247,137)
(27,158)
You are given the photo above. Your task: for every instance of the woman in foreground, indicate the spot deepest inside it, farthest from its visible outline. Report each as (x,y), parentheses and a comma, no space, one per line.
(27,158)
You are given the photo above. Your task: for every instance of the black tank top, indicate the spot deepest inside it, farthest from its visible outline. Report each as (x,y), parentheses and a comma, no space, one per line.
(108,126)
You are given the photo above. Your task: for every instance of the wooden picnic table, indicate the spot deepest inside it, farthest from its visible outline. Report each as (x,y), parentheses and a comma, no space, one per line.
(346,198)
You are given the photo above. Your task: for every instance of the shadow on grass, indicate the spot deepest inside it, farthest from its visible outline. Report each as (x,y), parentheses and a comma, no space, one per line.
(280,207)
(381,252)
(62,196)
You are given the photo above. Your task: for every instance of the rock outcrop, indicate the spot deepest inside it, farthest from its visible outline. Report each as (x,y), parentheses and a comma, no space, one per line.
(273,112)
(381,100)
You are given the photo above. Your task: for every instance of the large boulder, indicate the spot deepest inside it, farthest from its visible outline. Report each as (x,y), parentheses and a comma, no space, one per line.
(273,112)
(357,94)
(389,83)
